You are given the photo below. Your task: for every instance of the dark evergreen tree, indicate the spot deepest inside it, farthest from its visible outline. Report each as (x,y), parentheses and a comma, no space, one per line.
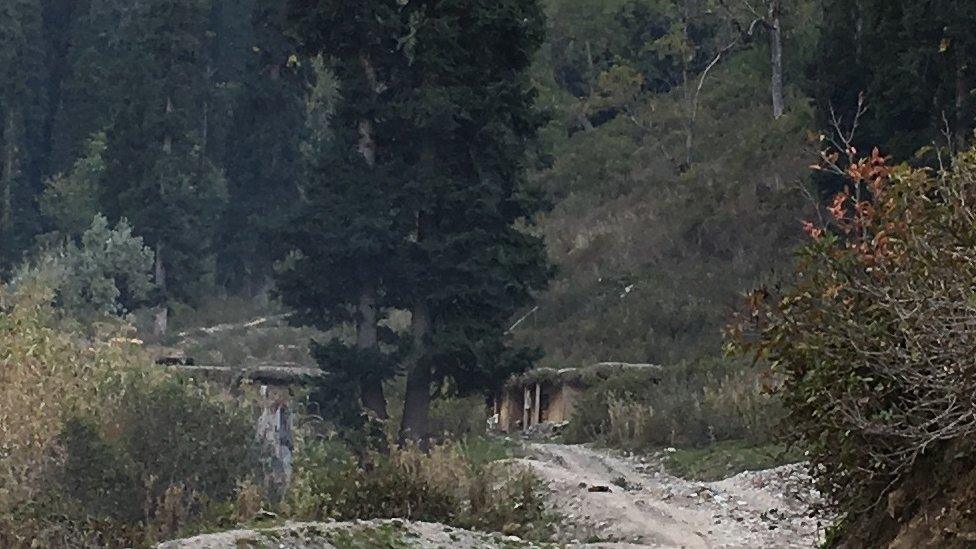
(158,173)
(472,120)
(263,158)
(911,59)
(436,100)
(350,233)
(22,103)
(88,93)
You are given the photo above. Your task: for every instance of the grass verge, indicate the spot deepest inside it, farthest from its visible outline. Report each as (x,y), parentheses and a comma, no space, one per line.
(724,459)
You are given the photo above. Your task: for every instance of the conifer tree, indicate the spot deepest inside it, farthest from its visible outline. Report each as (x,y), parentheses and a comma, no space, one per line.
(350,232)
(89,91)
(21,97)
(436,100)
(472,267)
(910,60)
(158,174)
(263,159)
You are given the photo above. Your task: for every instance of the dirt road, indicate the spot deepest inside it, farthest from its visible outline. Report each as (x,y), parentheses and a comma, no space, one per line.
(646,507)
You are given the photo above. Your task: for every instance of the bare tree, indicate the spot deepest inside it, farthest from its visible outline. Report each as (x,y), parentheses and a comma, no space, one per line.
(768,14)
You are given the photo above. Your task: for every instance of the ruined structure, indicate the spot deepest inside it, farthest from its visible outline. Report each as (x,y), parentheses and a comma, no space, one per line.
(276,388)
(547,395)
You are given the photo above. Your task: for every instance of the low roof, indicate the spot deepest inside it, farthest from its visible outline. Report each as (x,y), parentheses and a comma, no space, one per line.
(268,374)
(585,375)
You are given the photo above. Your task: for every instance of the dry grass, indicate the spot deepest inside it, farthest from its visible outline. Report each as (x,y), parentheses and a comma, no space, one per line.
(693,404)
(45,375)
(446,485)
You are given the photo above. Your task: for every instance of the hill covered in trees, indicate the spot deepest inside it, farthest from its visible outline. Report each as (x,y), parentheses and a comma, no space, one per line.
(452,192)
(674,157)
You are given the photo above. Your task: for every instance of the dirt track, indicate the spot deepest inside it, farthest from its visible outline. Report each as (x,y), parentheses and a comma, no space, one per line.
(654,509)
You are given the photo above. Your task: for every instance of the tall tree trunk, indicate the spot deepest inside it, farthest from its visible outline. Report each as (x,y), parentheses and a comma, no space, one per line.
(371,387)
(776,51)
(962,92)
(10,170)
(416,405)
(689,96)
(162,314)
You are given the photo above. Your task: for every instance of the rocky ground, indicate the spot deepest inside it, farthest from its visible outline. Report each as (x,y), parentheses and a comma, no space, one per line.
(632,502)
(605,499)
(370,534)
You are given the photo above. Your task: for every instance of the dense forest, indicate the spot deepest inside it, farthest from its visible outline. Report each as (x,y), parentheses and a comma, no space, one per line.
(673,168)
(450,193)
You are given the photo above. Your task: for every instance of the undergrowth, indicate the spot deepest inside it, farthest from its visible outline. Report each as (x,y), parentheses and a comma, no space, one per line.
(450,485)
(724,459)
(689,404)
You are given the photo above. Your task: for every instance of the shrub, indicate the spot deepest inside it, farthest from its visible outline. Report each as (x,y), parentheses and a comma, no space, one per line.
(459,417)
(443,486)
(691,403)
(874,335)
(98,448)
(46,374)
(180,434)
(107,273)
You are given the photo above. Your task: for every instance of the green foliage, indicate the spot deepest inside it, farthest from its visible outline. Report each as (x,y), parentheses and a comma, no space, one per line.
(869,336)
(911,61)
(416,199)
(179,433)
(166,458)
(101,448)
(23,103)
(724,459)
(457,418)
(70,201)
(691,404)
(108,273)
(97,476)
(263,163)
(443,486)
(158,173)
(650,258)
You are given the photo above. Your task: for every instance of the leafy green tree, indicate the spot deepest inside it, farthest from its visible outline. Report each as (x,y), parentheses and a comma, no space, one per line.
(70,201)
(107,272)
(871,336)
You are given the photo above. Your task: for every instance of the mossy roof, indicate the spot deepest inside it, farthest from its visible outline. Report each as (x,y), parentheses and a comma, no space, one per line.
(579,377)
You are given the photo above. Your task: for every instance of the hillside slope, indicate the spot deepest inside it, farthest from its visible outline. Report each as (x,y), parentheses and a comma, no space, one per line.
(652,256)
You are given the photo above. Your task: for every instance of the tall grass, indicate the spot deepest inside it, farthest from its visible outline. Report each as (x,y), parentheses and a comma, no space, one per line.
(691,404)
(97,447)
(447,485)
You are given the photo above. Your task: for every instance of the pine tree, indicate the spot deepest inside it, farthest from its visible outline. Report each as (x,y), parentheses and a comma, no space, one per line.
(90,90)
(910,59)
(158,173)
(348,237)
(472,119)
(436,101)
(263,160)
(22,98)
